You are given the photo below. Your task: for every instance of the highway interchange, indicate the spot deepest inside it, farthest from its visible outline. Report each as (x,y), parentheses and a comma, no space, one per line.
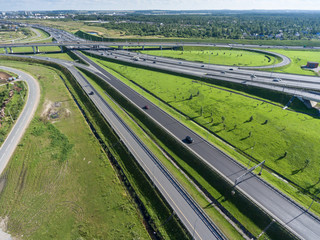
(284,210)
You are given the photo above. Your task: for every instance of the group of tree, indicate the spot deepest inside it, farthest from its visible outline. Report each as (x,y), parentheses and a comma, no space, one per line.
(219,25)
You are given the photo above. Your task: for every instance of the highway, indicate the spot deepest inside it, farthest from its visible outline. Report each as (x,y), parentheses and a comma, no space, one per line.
(307,87)
(8,147)
(189,212)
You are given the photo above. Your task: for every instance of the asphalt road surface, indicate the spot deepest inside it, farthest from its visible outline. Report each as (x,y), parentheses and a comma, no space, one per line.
(8,147)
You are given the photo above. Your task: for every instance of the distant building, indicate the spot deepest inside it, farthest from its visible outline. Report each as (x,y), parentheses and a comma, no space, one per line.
(312,65)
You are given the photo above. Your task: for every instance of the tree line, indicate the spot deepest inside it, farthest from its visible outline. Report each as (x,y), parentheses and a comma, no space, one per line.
(299,26)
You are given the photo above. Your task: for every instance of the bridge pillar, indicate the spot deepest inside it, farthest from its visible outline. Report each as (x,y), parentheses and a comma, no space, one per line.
(37,49)
(10,49)
(143,47)
(120,47)
(6,50)
(61,48)
(34,50)
(160,47)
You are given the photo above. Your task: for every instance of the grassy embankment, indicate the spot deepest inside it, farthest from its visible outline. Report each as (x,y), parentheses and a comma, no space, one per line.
(298,58)
(220,56)
(13,108)
(200,173)
(59,184)
(274,140)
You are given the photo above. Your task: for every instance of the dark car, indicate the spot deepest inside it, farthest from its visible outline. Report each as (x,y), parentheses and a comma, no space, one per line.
(91,93)
(231,69)
(146,107)
(154,61)
(189,139)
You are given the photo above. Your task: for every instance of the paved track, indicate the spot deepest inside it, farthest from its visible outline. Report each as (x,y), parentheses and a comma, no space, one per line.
(10,144)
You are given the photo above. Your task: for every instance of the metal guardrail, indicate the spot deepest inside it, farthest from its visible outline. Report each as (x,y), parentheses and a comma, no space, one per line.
(213,228)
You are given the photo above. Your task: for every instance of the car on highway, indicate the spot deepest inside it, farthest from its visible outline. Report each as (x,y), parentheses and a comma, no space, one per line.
(223,72)
(91,93)
(154,61)
(231,69)
(146,107)
(202,65)
(253,76)
(277,80)
(189,139)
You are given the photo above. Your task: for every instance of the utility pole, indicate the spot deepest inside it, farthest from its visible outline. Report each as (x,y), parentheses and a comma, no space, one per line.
(313,200)
(10,115)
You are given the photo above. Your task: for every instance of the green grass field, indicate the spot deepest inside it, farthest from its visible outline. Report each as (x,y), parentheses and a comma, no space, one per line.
(30,49)
(63,56)
(59,183)
(285,139)
(218,56)
(6,37)
(299,58)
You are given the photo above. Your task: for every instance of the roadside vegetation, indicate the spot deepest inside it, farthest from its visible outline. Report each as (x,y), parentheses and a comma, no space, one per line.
(12,99)
(59,183)
(256,127)
(220,56)
(62,56)
(24,35)
(299,58)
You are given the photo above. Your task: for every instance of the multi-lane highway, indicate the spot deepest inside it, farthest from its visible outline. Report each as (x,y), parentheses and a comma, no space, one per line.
(307,87)
(12,140)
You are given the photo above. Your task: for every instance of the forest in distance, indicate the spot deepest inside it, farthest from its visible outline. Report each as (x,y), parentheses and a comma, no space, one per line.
(224,25)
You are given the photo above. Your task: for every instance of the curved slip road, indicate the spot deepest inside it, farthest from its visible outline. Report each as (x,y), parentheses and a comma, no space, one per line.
(8,147)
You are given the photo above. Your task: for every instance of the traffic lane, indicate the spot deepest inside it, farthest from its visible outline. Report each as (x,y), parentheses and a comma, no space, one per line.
(245,75)
(184,211)
(216,68)
(23,120)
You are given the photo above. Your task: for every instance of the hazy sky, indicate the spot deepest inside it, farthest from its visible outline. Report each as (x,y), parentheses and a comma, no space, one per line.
(13,5)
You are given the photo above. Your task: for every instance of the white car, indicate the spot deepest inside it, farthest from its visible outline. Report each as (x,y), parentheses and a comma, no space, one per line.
(277,80)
